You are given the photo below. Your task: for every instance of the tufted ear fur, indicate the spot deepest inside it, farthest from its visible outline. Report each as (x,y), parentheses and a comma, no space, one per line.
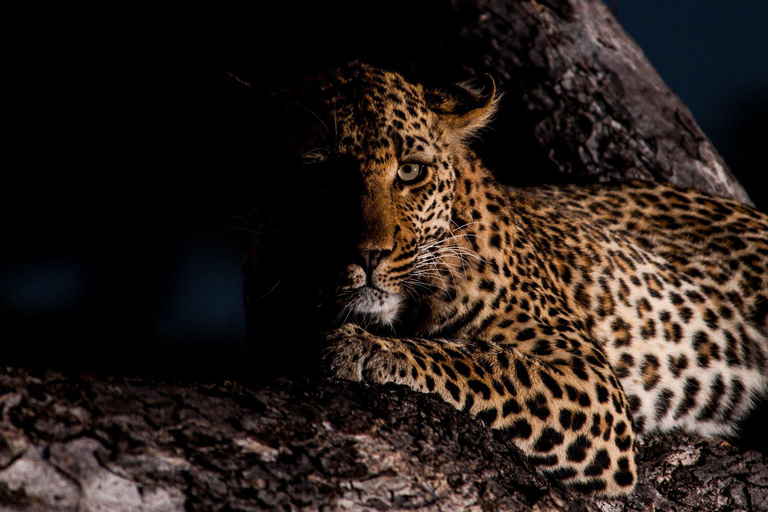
(466,107)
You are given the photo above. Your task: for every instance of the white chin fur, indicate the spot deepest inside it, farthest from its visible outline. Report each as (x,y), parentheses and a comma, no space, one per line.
(376,305)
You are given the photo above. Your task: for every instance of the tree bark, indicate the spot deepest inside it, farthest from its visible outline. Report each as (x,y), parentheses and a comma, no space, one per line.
(129,444)
(582,104)
(597,107)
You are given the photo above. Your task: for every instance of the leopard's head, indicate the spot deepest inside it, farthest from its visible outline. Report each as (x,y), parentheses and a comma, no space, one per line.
(384,154)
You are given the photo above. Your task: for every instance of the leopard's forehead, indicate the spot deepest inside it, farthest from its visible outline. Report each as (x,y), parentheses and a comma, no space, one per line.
(369,110)
(363,93)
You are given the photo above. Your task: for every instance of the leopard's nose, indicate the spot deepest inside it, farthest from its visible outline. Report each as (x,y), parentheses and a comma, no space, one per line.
(370,259)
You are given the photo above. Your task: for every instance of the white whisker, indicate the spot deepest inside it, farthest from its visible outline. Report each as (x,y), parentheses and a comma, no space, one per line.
(315,116)
(270,290)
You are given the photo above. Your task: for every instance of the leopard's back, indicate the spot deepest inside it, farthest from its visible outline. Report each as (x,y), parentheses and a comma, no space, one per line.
(678,298)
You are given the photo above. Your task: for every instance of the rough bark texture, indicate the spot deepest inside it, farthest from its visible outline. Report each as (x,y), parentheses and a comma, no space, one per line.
(581,103)
(115,444)
(597,106)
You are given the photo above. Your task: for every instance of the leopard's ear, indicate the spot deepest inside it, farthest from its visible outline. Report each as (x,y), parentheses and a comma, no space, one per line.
(466,107)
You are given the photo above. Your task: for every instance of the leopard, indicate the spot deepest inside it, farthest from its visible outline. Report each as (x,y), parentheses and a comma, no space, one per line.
(574,318)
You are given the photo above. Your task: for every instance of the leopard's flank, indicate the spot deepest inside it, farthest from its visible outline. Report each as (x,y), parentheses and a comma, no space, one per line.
(574,317)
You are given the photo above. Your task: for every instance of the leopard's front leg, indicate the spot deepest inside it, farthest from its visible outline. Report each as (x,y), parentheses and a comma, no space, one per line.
(565,411)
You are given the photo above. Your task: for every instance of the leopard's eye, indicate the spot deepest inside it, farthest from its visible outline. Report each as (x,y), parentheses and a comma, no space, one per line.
(408,173)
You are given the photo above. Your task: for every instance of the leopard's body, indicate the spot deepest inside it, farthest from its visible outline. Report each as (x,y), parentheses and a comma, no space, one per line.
(573,317)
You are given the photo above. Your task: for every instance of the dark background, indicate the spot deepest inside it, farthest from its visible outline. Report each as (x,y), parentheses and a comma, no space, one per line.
(131,161)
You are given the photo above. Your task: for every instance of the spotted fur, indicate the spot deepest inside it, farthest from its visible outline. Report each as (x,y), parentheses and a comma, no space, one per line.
(573,318)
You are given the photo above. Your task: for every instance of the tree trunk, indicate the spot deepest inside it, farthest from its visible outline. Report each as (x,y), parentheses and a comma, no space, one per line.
(582,104)
(597,108)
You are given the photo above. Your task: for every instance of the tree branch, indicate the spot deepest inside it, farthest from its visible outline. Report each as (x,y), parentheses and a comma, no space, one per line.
(119,444)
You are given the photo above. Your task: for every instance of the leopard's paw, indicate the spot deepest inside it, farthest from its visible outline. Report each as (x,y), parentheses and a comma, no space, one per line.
(348,350)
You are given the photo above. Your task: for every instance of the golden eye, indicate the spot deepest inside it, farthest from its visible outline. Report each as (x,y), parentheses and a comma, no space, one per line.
(409,173)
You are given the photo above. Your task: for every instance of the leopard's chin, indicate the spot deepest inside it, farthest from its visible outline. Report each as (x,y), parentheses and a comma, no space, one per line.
(372,305)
